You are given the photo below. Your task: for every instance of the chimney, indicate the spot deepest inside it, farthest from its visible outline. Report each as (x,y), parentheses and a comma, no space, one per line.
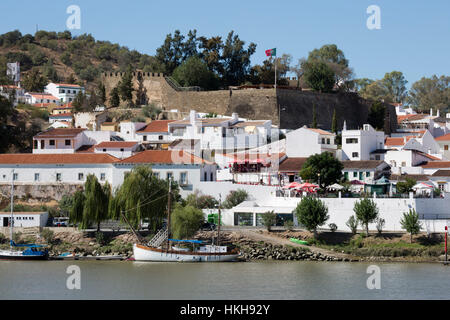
(192,117)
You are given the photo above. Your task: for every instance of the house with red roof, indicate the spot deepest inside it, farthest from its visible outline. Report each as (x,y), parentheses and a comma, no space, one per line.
(118,149)
(155,135)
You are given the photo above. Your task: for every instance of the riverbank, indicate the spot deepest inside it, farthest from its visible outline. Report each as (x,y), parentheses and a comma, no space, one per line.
(257,245)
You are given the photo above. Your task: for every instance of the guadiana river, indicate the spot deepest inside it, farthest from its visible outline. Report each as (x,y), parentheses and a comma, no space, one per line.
(242,280)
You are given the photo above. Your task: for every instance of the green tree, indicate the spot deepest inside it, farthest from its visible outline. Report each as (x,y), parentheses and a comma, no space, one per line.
(143,196)
(125,87)
(234,198)
(65,204)
(314,120)
(236,59)
(151,111)
(269,219)
(201,201)
(185,221)
(405,186)
(318,76)
(410,222)
(395,84)
(33,81)
(377,114)
(366,211)
(334,125)
(431,92)
(376,91)
(90,205)
(114,99)
(325,164)
(101,92)
(194,72)
(312,213)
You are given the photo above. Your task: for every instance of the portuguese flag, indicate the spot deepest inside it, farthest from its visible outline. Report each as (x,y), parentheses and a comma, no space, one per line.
(271,52)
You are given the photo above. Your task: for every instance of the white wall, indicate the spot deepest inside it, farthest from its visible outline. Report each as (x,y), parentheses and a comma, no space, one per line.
(26,220)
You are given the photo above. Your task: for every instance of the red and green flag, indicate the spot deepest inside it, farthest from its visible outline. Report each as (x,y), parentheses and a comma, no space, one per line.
(271,52)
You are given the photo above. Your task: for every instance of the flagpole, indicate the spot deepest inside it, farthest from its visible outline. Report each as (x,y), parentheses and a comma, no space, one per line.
(275,62)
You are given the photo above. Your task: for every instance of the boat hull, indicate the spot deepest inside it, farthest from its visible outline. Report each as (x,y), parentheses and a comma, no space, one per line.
(22,258)
(144,253)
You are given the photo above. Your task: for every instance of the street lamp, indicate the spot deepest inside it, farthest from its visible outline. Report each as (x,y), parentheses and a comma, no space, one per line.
(318,175)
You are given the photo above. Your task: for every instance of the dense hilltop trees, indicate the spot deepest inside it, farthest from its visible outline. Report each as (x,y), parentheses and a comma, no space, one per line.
(213,62)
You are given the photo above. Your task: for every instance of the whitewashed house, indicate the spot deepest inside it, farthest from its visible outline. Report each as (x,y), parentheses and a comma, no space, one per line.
(64,117)
(41,98)
(128,130)
(155,135)
(365,171)
(90,120)
(17,94)
(304,142)
(362,144)
(64,92)
(118,149)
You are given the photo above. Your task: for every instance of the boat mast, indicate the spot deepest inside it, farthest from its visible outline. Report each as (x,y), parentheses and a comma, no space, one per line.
(168,212)
(218,226)
(11,221)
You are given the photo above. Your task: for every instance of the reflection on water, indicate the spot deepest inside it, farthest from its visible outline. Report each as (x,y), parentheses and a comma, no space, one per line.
(247,280)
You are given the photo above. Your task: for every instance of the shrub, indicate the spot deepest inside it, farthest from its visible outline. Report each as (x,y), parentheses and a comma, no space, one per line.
(366,211)
(352,223)
(333,227)
(380,224)
(234,198)
(289,225)
(48,235)
(100,237)
(410,222)
(269,219)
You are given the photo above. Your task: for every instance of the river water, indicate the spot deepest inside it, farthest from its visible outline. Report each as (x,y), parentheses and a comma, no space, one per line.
(241,280)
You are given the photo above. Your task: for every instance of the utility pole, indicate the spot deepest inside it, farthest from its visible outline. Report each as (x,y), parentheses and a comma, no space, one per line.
(168,213)
(218,222)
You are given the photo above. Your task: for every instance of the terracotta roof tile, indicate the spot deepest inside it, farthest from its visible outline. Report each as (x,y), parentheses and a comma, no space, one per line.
(320,131)
(60,133)
(165,157)
(364,164)
(292,165)
(56,158)
(445,137)
(156,126)
(436,164)
(116,144)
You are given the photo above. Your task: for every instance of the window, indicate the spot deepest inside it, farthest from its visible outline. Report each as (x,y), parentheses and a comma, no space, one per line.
(354,154)
(183,178)
(323,140)
(206,177)
(36,177)
(403,164)
(367,174)
(156,174)
(52,142)
(67,142)
(346,175)
(15,176)
(361,175)
(121,149)
(377,157)
(144,138)
(351,140)
(212,177)
(58,177)
(328,140)
(42,144)
(169,175)
(80,176)
(160,137)
(35,144)
(102,176)
(446,147)
(355,174)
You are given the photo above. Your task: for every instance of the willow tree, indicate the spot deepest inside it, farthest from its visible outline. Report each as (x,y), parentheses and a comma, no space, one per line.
(185,221)
(142,196)
(91,205)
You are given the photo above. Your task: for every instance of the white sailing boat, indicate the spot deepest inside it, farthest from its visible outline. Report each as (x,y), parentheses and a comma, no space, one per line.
(31,251)
(160,248)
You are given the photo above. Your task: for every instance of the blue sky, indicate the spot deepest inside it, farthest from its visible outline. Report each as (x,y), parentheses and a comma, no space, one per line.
(414,35)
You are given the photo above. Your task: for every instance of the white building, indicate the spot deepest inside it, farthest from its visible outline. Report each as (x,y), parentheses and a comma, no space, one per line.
(360,144)
(118,149)
(407,161)
(41,98)
(24,219)
(89,120)
(224,134)
(64,117)
(15,92)
(155,135)
(64,92)
(128,130)
(305,142)
(365,171)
